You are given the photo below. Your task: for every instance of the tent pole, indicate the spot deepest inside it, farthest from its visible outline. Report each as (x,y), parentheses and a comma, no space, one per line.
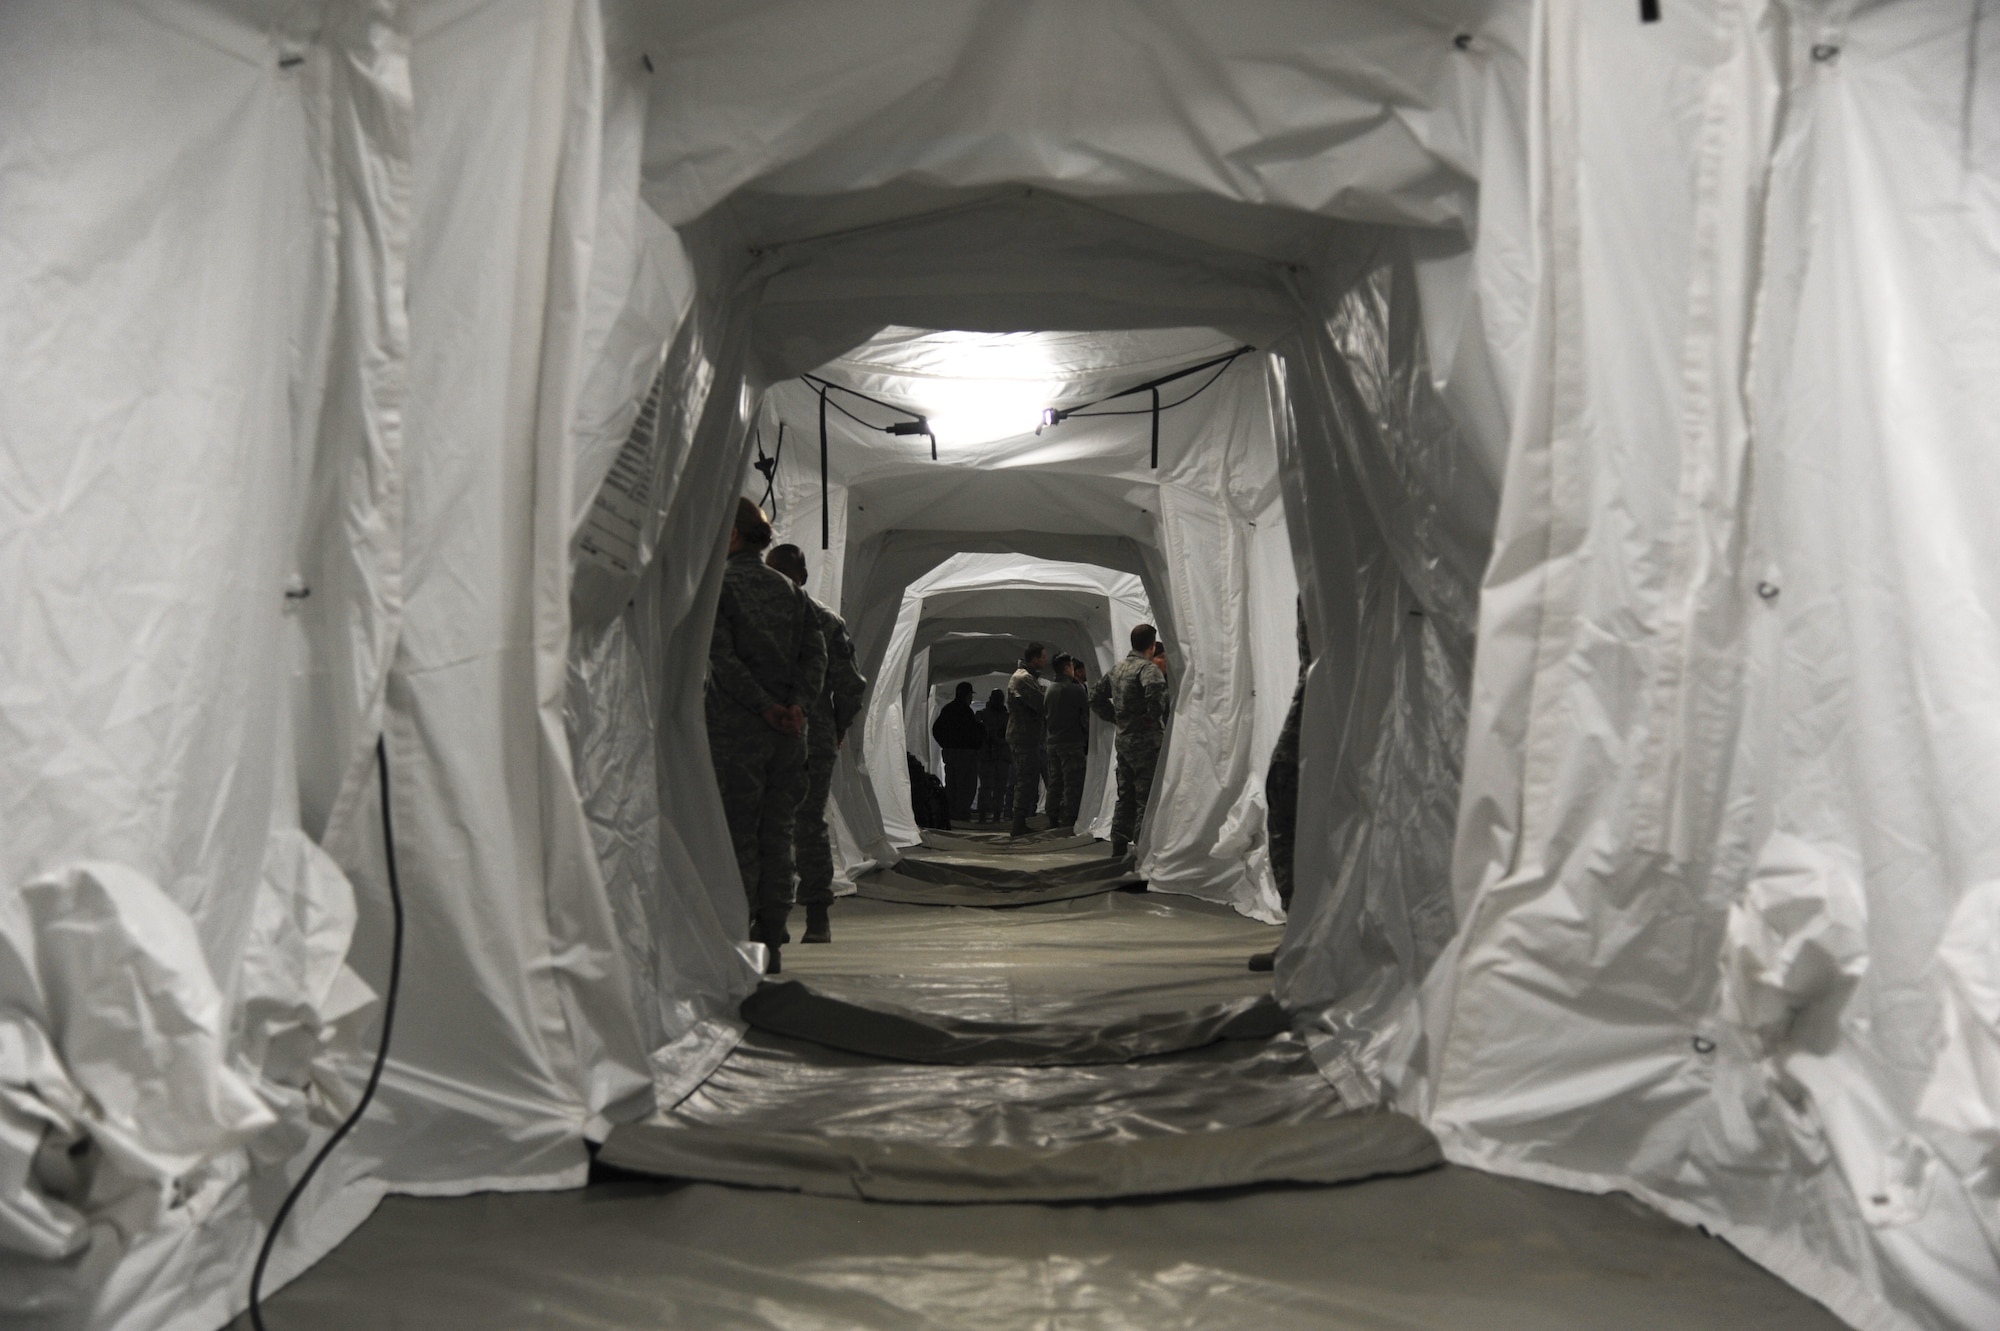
(1156,429)
(825,522)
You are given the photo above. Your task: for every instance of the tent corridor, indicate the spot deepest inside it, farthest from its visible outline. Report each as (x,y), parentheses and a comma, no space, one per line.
(1606,396)
(1441,1248)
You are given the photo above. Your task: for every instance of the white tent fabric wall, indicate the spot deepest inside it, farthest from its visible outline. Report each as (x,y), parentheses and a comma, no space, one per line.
(1737,671)
(160,461)
(427,569)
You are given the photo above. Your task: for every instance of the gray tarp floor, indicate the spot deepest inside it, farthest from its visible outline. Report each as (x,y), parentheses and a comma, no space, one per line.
(971,996)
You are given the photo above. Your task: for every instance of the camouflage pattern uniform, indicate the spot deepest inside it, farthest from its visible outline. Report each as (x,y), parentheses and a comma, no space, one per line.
(829,714)
(1281,781)
(766,650)
(1069,749)
(1027,716)
(1133,696)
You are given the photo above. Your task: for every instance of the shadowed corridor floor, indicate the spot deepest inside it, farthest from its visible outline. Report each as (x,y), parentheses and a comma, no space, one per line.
(1441,1249)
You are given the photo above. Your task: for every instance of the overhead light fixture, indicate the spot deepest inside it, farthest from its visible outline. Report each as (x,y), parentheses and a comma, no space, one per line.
(921,425)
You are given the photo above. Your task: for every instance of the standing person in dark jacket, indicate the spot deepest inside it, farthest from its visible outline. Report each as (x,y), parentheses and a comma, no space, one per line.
(1027,716)
(959,733)
(828,715)
(766,665)
(1069,741)
(995,781)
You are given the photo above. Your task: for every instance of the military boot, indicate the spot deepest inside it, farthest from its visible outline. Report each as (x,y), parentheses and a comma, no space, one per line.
(819,929)
(1117,849)
(1264,961)
(1020,825)
(770,931)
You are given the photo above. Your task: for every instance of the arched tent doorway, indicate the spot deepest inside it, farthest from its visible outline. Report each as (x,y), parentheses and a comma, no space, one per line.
(978,591)
(1343,401)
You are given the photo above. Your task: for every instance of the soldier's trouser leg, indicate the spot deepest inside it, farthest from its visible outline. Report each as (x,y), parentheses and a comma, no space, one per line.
(1027,780)
(1281,821)
(742,749)
(777,824)
(961,780)
(1052,773)
(1138,754)
(812,840)
(1072,761)
(992,794)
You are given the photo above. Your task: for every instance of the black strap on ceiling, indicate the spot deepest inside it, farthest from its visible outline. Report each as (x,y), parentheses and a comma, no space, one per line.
(1056,416)
(1156,429)
(1649,11)
(917,424)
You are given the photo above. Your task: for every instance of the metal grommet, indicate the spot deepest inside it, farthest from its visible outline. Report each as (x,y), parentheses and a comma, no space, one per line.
(1826,53)
(1463,41)
(1703,1045)
(1768,590)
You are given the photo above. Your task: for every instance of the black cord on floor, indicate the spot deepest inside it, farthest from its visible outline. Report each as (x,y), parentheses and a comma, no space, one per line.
(381,1054)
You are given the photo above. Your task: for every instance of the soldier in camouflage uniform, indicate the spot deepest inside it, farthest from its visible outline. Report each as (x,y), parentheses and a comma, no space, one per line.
(1133,696)
(828,715)
(1069,741)
(766,662)
(1281,792)
(1027,725)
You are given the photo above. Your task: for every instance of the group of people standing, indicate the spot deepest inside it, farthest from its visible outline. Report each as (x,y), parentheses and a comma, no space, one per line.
(783,688)
(1036,733)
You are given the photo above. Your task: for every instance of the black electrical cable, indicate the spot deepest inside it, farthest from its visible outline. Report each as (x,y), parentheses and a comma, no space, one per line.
(917,424)
(866,424)
(1052,416)
(823,384)
(381,1054)
(1222,365)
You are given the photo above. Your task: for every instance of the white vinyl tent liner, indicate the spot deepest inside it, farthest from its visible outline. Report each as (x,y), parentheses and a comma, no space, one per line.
(387,370)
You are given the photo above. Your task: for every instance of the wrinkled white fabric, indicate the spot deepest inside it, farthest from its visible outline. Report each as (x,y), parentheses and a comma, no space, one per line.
(1736,657)
(119,1039)
(1798,935)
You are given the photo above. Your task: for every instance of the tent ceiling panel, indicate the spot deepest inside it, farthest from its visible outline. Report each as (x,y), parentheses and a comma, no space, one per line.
(1015,262)
(1337,107)
(997,641)
(961,655)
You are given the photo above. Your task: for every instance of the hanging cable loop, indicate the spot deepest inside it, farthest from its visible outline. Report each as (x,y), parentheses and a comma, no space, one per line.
(769,467)
(1220,364)
(917,424)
